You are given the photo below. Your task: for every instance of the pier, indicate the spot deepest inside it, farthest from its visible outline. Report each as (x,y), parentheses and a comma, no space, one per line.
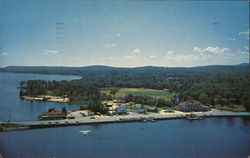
(120,119)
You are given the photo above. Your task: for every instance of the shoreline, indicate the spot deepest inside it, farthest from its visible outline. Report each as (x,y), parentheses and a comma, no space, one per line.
(46,98)
(28,125)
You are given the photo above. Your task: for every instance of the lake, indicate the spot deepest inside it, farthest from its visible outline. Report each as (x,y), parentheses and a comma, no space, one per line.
(213,137)
(15,109)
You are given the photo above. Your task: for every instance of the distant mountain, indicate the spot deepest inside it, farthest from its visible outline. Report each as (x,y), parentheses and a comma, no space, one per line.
(101,69)
(244,64)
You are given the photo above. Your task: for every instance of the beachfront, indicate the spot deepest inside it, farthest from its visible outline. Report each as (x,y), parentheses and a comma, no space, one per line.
(47,98)
(131,117)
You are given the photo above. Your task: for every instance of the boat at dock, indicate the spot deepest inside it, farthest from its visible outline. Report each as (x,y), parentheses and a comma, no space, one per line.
(194,117)
(146,120)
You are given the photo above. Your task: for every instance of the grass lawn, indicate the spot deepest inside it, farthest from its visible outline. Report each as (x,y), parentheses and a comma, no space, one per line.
(122,92)
(234,108)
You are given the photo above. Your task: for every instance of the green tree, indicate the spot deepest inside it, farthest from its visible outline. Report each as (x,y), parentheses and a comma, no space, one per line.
(64,110)
(114,91)
(51,109)
(204,99)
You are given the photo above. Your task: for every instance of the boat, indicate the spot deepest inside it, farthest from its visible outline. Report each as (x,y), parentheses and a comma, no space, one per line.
(193,117)
(146,120)
(85,132)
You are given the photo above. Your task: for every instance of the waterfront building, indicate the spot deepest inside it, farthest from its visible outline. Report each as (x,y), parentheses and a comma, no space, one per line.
(53,115)
(121,110)
(189,106)
(140,111)
(152,109)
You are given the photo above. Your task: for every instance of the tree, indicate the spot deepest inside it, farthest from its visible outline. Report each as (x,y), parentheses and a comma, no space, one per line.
(204,99)
(51,109)
(64,110)
(114,91)
(247,105)
(161,102)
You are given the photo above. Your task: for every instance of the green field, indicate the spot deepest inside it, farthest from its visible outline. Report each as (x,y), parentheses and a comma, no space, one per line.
(234,108)
(122,92)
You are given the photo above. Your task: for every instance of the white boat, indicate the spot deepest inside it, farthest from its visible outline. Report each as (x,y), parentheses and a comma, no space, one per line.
(85,132)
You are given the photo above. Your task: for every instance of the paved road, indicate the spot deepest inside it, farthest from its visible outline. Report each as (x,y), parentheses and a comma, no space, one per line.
(130,117)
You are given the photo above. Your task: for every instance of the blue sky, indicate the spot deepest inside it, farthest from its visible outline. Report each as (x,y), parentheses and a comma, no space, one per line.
(123,33)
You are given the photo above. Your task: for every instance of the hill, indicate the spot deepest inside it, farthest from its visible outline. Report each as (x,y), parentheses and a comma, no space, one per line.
(215,85)
(97,69)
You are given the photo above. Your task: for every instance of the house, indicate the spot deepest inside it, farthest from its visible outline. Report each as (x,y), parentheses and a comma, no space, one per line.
(109,104)
(189,106)
(91,113)
(119,101)
(121,110)
(140,111)
(52,115)
(152,109)
(169,111)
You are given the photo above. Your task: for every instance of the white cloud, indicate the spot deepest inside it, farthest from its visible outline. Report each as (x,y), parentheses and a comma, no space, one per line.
(109,45)
(169,53)
(51,52)
(134,54)
(136,50)
(108,58)
(196,49)
(3,54)
(246,54)
(118,35)
(207,56)
(130,56)
(232,39)
(214,50)
(244,32)
(152,56)
(172,57)
(247,47)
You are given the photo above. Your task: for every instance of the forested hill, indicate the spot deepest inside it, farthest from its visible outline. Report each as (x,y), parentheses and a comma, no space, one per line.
(54,69)
(223,85)
(97,69)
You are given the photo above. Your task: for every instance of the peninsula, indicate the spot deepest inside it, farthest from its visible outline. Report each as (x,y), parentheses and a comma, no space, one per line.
(109,94)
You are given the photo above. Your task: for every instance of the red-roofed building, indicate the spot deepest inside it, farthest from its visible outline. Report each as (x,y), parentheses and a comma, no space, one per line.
(52,115)
(194,105)
(190,102)
(55,112)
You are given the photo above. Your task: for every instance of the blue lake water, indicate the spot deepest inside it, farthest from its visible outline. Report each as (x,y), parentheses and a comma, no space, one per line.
(12,107)
(211,138)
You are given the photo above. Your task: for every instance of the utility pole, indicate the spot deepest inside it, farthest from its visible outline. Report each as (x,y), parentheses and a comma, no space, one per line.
(9,115)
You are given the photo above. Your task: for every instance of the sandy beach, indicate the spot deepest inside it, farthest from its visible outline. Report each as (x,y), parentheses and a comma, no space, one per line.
(47,98)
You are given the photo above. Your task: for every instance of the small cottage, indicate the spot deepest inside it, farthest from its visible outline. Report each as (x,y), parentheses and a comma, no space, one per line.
(152,109)
(121,110)
(140,111)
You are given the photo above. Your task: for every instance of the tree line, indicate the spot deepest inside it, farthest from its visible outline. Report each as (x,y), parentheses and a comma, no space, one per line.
(213,85)
(77,91)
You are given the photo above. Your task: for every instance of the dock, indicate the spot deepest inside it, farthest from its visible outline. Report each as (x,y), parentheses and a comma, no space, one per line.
(121,118)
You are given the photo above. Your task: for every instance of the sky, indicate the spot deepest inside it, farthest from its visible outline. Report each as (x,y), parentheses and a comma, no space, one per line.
(123,33)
